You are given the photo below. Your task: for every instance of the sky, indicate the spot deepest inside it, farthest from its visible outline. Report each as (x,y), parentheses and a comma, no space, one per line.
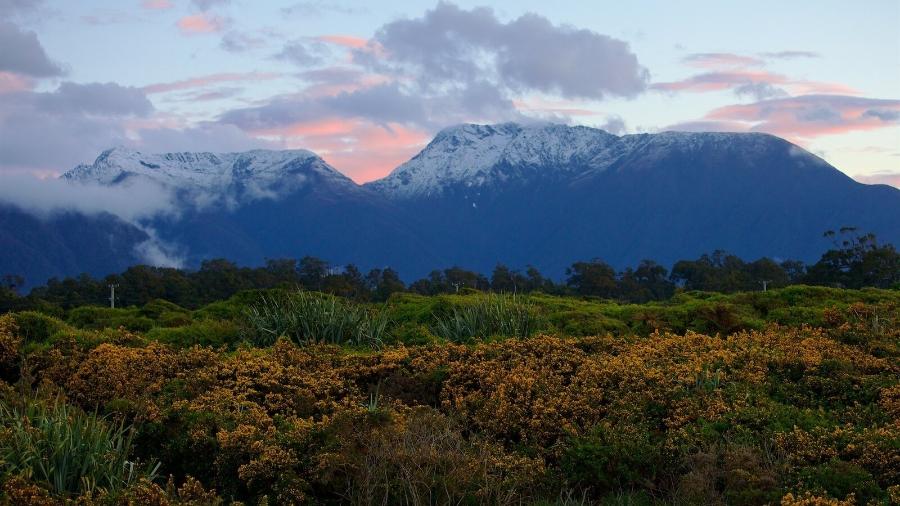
(367,84)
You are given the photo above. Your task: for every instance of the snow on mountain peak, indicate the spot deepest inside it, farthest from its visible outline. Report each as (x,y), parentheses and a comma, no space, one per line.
(475,156)
(232,177)
(478,155)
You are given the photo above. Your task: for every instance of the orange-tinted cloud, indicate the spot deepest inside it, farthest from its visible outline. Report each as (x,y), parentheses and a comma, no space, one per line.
(348,41)
(202,81)
(201,23)
(10,82)
(360,149)
(810,116)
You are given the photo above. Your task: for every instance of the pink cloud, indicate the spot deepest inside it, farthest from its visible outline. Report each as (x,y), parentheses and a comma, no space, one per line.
(348,41)
(810,116)
(760,83)
(715,81)
(816,87)
(157,4)
(362,150)
(201,23)
(202,81)
(10,82)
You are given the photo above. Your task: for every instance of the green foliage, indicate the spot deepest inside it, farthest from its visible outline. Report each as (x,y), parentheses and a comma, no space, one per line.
(307,318)
(36,327)
(69,451)
(840,479)
(613,457)
(491,315)
(213,333)
(94,317)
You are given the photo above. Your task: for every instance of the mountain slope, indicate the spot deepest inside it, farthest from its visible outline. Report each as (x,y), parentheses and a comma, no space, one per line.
(264,204)
(545,195)
(66,244)
(549,194)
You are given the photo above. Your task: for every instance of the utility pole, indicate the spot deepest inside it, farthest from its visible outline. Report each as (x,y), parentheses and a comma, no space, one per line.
(765,283)
(457,286)
(112,295)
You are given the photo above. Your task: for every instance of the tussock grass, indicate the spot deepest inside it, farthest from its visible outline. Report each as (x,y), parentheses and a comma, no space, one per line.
(308,318)
(493,315)
(67,450)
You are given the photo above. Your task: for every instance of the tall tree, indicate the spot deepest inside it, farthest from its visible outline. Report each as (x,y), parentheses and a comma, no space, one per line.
(592,278)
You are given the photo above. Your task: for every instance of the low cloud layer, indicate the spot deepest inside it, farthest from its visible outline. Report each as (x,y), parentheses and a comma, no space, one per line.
(137,201)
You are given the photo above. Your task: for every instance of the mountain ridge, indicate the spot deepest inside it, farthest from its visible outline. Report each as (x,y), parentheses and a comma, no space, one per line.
(538,194)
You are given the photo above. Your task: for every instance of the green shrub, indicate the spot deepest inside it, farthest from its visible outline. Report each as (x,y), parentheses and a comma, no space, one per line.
(840,479)
(308,318)
(174,319)
(93,317)
(69,451)
(204,333)
(158,307)
(34,327)
(493,315)
(613,457)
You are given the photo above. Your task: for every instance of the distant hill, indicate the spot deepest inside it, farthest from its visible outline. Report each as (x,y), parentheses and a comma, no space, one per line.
(545,195)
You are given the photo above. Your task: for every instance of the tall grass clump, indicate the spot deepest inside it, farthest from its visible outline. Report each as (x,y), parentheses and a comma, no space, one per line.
(308,318)
(69,451)
(493,315)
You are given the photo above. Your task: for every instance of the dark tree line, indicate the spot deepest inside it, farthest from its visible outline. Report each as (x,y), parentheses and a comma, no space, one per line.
(857,260)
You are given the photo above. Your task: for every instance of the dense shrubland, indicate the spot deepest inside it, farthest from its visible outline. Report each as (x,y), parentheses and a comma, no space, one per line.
(790,396)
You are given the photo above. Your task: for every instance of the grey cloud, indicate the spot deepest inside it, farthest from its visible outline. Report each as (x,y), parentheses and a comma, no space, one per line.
(235,42)
(23,54)
(159,253)
(302,53)
(56,130)
(883,114)
(449,44)
(51,130)
(204,137)
(760,90)
(332,75)
(820,114)
(205,5)
(614,125)
(453,65)
(14,7)
(382,104)
(319,8)
(107,99)
(136,201)
(574,63)
(790,55)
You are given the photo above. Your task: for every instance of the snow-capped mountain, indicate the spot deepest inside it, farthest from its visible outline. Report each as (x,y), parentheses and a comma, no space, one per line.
(233,178)
(477,156)
(539,194)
